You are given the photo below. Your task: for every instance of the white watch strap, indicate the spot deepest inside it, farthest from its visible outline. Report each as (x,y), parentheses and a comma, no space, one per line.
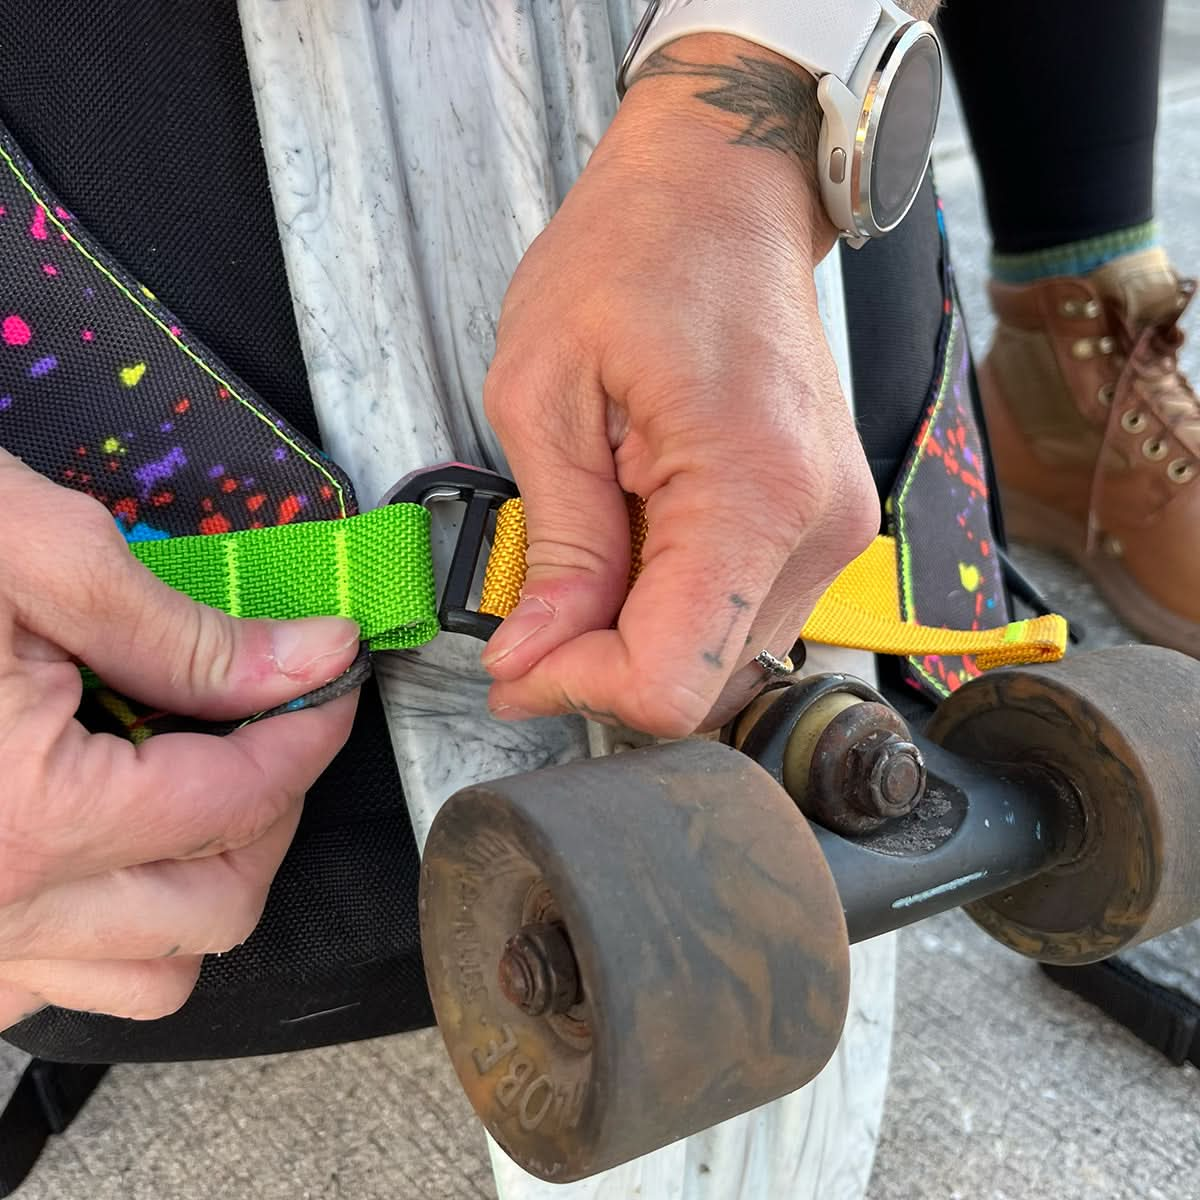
(825,37)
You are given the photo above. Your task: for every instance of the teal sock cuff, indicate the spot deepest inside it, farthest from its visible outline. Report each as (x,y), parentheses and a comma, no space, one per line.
(1075,258)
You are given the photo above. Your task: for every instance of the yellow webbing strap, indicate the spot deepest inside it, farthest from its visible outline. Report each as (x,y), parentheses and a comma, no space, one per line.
(860,609)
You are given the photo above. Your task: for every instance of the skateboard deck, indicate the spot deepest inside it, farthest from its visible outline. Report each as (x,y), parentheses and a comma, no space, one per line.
(415,150)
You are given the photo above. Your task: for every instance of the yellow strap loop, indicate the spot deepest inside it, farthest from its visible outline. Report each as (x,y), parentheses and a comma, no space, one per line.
(860,609)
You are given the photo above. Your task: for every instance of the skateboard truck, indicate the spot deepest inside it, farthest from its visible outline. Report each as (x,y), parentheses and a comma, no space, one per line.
(482,492)
(843,753)
(907,829)
(624,951)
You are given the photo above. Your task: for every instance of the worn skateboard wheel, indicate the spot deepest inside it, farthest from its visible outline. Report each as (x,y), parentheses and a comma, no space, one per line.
(626,950)
(1120,726)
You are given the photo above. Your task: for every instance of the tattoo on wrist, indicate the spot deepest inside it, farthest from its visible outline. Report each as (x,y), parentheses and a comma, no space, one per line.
(776,102)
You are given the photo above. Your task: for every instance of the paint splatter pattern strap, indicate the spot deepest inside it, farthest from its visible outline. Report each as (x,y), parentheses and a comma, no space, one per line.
(103,391)
(940,513)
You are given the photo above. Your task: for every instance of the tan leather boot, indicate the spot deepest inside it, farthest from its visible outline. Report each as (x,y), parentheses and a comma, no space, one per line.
(1096,435)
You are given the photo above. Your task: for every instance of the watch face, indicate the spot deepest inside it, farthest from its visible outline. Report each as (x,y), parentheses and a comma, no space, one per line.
(905,132)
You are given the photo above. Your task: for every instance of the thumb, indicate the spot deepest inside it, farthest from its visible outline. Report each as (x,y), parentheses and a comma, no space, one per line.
(577,573)
(577,522)
(156,645)
(196,661)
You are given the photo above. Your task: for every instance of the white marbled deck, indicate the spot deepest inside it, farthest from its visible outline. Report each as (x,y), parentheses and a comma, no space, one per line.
(415,149)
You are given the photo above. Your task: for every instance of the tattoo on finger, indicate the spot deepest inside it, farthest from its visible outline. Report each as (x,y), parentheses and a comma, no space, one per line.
(602,715)
(715,658)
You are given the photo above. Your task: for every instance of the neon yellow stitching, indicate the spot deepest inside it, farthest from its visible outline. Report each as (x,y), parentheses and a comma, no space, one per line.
(906,585)
(234,594)
(342,559)
(117,706)
(266,420)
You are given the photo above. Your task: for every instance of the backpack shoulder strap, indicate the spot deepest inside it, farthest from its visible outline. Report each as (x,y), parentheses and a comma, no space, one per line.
(1162,1017)
(46,1101)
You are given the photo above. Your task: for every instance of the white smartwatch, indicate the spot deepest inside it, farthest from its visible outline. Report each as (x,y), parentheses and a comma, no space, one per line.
(879,84)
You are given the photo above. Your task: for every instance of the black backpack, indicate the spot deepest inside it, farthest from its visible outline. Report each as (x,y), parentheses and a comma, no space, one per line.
(157,156)
(159,162)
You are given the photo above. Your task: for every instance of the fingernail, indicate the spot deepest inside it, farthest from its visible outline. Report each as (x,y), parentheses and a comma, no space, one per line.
(531,616)
(298,647)
(509,712)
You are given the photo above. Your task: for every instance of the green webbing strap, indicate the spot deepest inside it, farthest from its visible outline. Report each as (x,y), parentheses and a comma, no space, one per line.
(374,568)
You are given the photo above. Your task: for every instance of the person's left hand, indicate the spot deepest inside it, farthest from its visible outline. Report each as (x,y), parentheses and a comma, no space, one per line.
(662,338)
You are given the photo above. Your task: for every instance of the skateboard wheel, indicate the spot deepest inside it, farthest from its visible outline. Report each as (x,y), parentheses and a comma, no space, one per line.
(1120,726)
(626,950)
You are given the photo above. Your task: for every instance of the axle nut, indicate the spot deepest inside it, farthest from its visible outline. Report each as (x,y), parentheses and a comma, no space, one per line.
(538,972)
(896,779)
(865,770)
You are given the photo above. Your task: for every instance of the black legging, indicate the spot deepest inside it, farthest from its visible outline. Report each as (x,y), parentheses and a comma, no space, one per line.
(1061,99)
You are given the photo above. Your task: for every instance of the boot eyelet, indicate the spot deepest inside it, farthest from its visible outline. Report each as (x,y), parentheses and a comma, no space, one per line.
(1113,547)
(1084,348)
(1181,471)
(1155,449)
(1088,310)
(1106,393)
(1107,344)
(1133,421)
(1091,309)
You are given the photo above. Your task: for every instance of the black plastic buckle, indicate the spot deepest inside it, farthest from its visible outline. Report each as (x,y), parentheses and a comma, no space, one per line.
(482,492)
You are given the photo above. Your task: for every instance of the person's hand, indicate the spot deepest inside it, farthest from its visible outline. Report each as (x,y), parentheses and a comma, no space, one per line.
(120,866)
(662,337)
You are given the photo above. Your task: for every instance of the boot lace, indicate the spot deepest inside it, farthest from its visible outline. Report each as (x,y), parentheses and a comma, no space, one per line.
(1151,376)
